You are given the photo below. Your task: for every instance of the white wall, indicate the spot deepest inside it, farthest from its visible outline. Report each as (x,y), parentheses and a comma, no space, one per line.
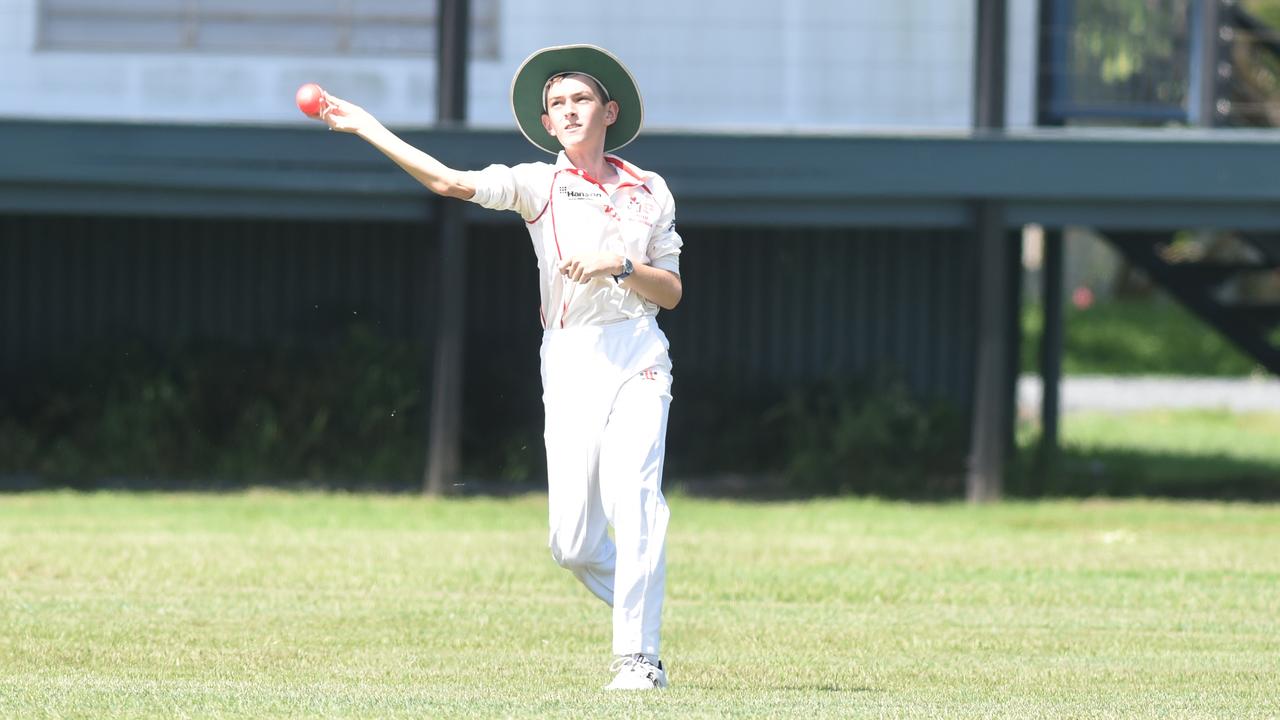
(799,64)
(1022,59)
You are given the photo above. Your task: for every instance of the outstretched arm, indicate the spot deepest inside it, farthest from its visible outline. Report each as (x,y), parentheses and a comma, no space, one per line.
(436,176)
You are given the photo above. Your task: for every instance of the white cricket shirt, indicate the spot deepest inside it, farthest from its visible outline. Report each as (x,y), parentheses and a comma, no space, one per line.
(569,212)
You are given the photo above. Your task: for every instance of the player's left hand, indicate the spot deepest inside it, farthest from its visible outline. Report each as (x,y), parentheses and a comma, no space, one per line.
(582,268)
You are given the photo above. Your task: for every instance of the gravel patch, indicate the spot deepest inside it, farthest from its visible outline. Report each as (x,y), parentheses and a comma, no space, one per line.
(1129,394)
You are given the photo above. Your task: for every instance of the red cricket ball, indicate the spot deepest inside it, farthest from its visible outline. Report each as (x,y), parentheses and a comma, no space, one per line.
(310,99)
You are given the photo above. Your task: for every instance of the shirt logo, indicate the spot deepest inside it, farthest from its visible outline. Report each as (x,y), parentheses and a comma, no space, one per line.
(640,208)
(570,194)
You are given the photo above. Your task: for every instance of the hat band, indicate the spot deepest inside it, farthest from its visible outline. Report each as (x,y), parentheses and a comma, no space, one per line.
(547,86)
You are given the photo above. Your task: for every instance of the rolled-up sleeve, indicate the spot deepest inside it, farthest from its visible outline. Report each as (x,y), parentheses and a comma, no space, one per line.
(499,187)
(665,242)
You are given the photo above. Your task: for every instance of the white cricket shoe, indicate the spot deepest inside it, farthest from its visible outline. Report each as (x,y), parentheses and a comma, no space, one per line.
(635,672)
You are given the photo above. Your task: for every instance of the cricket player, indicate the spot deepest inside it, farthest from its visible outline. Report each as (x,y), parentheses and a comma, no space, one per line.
(608,256)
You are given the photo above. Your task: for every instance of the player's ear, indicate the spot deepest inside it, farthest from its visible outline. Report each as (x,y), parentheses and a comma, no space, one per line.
(546,124)
(611,112)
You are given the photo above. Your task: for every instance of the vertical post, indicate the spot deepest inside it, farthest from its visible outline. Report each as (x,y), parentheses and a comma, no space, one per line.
(1053,82)
(449,266)
(1013,339)
(1051,345)
(989,65)
(1052,97)
(991,406)
(453,25)
(1205,56)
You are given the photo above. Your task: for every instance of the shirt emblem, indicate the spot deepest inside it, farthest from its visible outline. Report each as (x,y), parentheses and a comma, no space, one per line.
(640,208)
(571,194)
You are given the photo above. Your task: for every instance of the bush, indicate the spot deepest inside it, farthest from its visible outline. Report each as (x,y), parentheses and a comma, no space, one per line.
(351,412)
(830,437)
(869,439)
(349,409)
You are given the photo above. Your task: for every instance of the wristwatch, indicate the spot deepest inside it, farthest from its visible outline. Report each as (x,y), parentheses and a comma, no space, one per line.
(627,269)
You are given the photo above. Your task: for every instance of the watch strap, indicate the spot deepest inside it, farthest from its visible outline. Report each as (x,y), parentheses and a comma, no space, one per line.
(627,269)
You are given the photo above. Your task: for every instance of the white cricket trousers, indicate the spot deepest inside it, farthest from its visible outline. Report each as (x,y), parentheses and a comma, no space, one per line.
(607,389)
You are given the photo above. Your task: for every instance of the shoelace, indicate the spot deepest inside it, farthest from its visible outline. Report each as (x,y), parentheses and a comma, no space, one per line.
(634,663)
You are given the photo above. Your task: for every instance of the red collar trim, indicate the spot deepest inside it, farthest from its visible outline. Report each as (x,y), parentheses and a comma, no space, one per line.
(563,163)
(623,166)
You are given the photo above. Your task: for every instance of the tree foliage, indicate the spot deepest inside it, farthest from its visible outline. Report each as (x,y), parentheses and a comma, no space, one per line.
(1130,51)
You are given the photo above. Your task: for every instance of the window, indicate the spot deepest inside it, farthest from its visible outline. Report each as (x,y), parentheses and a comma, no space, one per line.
(248,27)
(1118,60)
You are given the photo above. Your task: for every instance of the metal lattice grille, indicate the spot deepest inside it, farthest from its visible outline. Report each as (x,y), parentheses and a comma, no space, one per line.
(244,27)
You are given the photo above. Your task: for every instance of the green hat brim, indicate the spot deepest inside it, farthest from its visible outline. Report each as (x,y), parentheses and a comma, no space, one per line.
(531,78)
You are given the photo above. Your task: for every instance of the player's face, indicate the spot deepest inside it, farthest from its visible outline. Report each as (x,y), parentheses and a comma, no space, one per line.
(575,114)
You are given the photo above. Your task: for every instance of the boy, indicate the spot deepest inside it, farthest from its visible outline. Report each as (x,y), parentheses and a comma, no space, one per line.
(608,254)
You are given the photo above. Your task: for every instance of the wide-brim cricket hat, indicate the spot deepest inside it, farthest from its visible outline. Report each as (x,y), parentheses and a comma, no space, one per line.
(531,79)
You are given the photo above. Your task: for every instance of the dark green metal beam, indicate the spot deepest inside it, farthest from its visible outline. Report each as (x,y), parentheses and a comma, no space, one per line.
(1133,178)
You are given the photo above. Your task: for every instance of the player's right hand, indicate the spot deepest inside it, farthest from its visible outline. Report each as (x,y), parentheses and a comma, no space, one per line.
(346,116)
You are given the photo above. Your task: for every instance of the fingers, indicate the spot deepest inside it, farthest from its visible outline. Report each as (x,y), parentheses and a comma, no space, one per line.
(337,105)
(571,269)
(574,269)
(339,114)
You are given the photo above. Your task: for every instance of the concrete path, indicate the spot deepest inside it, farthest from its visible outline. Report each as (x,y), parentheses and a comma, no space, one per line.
(1127,394)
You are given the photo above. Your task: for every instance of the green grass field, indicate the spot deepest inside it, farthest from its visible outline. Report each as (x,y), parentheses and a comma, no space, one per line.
(269,604)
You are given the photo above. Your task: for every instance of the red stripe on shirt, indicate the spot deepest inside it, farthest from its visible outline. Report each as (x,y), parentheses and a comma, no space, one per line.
(550,193)
(551,204)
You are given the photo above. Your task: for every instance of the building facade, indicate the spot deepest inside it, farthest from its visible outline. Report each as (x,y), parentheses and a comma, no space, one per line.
(707,66)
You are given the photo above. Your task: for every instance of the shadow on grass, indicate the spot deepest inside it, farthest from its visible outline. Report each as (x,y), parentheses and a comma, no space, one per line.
(1075,472)
(467,487)
(816,687)
(1072,472)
